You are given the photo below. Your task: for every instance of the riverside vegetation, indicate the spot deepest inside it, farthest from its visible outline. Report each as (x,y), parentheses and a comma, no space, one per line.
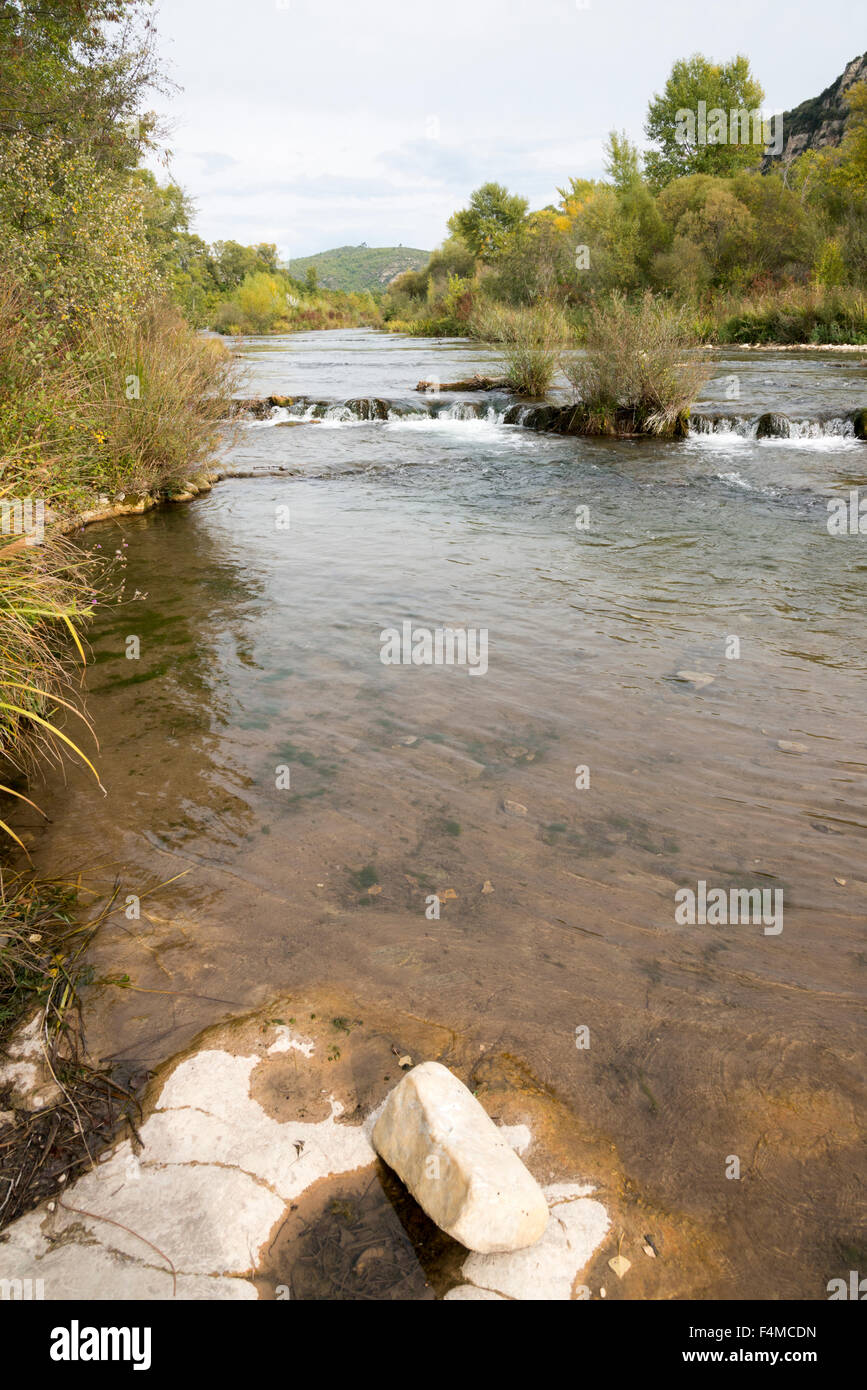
(105,389)
(777,257)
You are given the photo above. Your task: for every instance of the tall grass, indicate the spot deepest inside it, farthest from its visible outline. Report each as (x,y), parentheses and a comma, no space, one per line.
(642,366)
(134,410)
(530,340)
(809,314)
(120,410)
(46,595)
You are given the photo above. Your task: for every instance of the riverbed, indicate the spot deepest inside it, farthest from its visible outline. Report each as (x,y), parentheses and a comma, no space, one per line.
(316,801)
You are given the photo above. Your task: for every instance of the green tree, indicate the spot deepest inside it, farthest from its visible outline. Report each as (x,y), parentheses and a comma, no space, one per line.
(234,262)
(683,146)
(78,71)
(622,161)
(486,224)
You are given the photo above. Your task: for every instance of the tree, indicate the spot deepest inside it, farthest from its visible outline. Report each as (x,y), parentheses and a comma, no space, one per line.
(492,215)
(77,71)
(234,262)
(706,121)
(622,161)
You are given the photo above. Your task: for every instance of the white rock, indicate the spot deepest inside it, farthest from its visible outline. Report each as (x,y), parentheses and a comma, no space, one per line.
(468,1293)
(548,1270)
(456,1163)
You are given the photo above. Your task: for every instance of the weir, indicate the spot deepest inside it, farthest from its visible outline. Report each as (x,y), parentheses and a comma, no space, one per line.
(549,418)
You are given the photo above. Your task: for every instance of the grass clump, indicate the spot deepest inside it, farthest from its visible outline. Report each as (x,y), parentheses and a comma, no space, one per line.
(808,314)
(641,368)
(45,595)
(530,339)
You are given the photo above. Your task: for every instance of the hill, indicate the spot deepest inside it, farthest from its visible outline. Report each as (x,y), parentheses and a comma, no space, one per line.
(820,120)
(359,267)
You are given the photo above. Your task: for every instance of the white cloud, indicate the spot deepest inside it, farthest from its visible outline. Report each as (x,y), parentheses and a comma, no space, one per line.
(308,123)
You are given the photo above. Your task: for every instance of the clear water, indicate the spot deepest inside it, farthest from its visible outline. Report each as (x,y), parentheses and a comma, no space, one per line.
(260,648)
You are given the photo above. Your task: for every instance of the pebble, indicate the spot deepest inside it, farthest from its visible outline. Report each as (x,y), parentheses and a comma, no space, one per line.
(696,678)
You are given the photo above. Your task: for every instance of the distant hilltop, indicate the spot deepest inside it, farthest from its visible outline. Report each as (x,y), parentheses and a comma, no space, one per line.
(820,121)
(358,267)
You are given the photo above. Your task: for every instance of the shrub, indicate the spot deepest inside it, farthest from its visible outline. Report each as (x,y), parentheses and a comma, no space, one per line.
(132,409)
(798,314)
(262,300)
(640,359)
(530,340)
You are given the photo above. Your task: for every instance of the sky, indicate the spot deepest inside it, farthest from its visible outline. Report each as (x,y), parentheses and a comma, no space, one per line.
(322,123)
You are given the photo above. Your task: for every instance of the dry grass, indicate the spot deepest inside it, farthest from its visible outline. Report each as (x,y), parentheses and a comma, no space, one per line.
(640,360)
(530,340)
(41,972)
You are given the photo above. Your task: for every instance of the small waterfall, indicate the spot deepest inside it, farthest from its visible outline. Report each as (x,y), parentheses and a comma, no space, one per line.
(772,425)
(284,410)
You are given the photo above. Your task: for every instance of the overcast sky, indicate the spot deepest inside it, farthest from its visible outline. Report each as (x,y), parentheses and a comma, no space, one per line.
(320,123)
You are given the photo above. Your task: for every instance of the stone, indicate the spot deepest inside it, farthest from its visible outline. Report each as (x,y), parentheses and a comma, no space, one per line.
(25,1074)
(447,1150)
(696,678)
(514,808)
(772,425)
(548,1270)
(786,746)
(468,1293)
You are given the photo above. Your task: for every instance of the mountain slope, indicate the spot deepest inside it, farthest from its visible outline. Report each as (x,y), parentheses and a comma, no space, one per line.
(820,120)
(359,267)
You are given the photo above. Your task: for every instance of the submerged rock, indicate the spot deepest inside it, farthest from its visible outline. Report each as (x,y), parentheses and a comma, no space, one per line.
(695,678)
(456,1163)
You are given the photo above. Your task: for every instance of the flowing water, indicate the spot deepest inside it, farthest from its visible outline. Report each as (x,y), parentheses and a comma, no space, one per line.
(259,610)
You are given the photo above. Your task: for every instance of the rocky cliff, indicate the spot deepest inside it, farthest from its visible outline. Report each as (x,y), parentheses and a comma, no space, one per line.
(821,120)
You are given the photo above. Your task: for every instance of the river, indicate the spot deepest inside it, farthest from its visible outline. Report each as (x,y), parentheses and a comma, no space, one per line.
(259,610)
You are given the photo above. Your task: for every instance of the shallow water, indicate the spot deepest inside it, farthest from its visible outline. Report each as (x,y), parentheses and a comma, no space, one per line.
(260,650)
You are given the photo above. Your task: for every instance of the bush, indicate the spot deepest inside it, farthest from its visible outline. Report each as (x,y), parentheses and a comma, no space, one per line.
(530,339)
(262,301)
(800,314)
(642,360)
(132,409)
